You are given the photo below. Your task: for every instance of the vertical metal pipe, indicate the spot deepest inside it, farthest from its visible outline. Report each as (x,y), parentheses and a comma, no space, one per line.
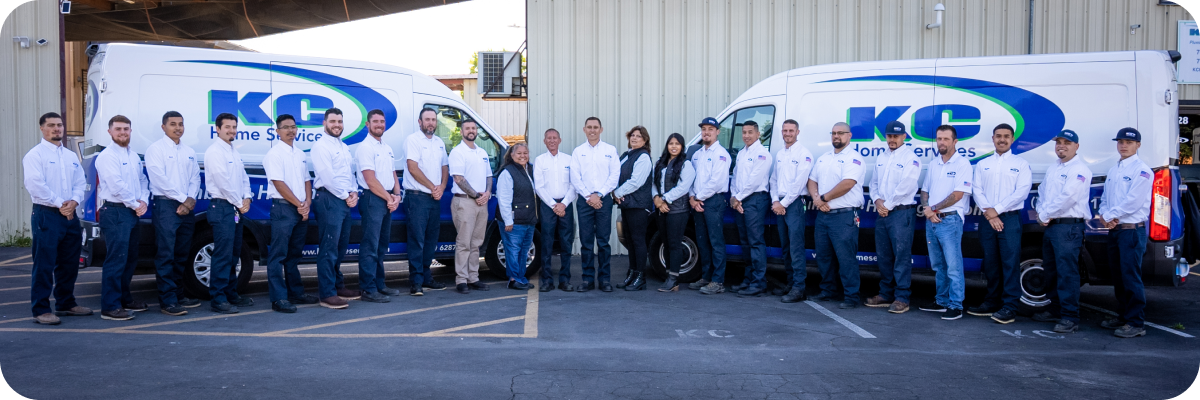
(1029,50)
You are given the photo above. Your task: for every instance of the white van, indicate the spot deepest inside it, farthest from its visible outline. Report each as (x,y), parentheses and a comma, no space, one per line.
(1094,94)
(143,82)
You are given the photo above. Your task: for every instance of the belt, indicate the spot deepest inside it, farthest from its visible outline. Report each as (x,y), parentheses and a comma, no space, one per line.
(163,198)
(461,195)
(46,208)
(412,192)
(841,210)
(1066,221)
(1006,213)
(113,204)
(1130,226)
(904,207)
(559,200)
(946,214)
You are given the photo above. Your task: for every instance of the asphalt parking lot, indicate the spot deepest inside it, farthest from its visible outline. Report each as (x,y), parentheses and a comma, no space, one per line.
(504,343)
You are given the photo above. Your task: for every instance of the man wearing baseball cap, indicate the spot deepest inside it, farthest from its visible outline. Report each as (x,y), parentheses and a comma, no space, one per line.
(894,190)
(712,181)
(1062,207)
(1125,209)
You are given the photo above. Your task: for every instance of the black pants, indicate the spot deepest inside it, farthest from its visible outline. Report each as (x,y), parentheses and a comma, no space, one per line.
(636,222)
(672,225)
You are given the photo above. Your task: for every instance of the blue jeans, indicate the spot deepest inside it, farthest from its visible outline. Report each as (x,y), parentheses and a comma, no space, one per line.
(287,246)
(424,225)
(563,229)
(56,246)
(1002,261)
(1125,250)
(1060,259)
(837,253)
(227,250)
(710,237)
(516,250)
(595,227)
(333,219)
(173,237)
(118,224)
(945,254)
(893,246)
(376,236)
(751,231)
(791,239)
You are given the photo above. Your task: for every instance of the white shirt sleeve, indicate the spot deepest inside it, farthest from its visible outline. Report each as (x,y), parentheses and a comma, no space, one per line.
(193,190)
(504,195)
(876,186)
(980,195)
(1056,203)
(109,169)
(908,180)
(1140,192)
(539,182)
(577,177)
(641,171)
(35,181)
(156,170)
(614,174)
(1016,199)
(708,184)
(686,177)
(323,165)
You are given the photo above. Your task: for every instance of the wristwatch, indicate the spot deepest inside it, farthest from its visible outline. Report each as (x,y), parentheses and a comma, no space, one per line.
(823,199)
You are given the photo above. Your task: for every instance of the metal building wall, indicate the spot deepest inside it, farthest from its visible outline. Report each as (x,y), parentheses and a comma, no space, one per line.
(29,87)
(507,117)
(666,64)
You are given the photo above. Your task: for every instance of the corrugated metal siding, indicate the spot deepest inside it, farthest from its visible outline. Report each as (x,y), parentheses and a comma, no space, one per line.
(666,64)
(507,117)
(29,82)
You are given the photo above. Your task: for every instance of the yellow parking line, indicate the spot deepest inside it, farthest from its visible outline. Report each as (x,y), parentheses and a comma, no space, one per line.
(531,311)
(8,261)
(350,321)
(15,320)
(12,303)
(473,326)
(185,320)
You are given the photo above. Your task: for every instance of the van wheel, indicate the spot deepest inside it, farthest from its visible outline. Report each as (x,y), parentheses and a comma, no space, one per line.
(688,270)
(1034,284)
(495,256)
(197,275)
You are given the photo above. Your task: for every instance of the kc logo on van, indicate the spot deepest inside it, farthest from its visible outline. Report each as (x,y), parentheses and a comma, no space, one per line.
(1037,119)
(249,105)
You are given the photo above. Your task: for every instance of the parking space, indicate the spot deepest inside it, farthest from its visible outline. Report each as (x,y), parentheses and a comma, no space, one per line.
(503,343)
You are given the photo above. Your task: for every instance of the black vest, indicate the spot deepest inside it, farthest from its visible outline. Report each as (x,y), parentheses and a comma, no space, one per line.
(524,201)
(680,205)
(642,197)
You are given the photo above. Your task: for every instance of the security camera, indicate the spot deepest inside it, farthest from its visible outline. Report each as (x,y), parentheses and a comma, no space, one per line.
(42,42)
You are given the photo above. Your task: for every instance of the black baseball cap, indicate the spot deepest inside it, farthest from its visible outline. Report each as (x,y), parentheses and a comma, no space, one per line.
(895,128)
(1129,134)
(709,121)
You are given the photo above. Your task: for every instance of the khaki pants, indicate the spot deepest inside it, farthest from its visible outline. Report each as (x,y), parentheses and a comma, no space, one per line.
(470,220)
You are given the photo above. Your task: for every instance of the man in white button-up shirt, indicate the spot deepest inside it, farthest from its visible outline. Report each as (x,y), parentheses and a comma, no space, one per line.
(893,192)
(1125,210)
(229,193)
(789,181)
(426,168)
(124,193)
(290,189)
(750,198)
(707,199)
(337,193)
(944,203)
(175,183)
(471,169)
(381,196)
(55,183)
(1062,207)
(556,213)
(836,188)
(595,169)
(1002,183)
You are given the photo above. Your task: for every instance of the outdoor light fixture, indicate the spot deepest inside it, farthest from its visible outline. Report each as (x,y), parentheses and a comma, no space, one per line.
(24,41)
(938,8)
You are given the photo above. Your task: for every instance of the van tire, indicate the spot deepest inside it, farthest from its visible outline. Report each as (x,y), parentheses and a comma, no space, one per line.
(689,271)
(1034,287)
(493,256)
(195,273)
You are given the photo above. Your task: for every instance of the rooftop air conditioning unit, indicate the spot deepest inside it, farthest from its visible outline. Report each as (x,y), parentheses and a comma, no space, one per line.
(497,71)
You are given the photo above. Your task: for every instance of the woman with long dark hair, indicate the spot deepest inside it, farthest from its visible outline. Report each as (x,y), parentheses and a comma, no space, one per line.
(636,202)
(673,176)
(518,212)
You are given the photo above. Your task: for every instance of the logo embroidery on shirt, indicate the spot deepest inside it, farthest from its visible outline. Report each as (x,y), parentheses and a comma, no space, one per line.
(762,157)
(1126,178)
(807,159)
(951,174)
(967,184)
(722,158)
(1014,170)
(916,163)
(1144,174)
(856,162)
(1080,178)
(898,166)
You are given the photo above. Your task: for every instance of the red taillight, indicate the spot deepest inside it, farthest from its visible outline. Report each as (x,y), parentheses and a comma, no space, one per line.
(1160,206)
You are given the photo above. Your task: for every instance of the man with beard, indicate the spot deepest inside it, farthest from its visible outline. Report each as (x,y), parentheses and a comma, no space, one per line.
(552,182)
(229,189)
(55,183)
(1062,208)
(836,184)
(595,170)
(749,197)
(290,190)
(472,171)
(893,190)
(789,182)
(175,182)
(949,179)
(1002,183)
(712,181)
(427,167)
(336,194)
(381,196)
(124,191)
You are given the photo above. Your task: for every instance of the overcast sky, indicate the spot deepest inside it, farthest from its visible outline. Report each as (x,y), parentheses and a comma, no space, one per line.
(434,41)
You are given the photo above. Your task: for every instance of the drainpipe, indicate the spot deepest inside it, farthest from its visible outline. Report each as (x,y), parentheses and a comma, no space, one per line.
(1030,48)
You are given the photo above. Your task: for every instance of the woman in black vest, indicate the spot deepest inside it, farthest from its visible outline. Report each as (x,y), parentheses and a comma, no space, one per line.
(636,202)
(673,176)
(518,205)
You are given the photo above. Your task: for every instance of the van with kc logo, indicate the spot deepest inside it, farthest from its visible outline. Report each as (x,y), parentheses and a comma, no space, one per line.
(1094,94)
(142,82)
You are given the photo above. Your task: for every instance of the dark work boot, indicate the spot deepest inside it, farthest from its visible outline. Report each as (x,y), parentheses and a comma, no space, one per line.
(638,282)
